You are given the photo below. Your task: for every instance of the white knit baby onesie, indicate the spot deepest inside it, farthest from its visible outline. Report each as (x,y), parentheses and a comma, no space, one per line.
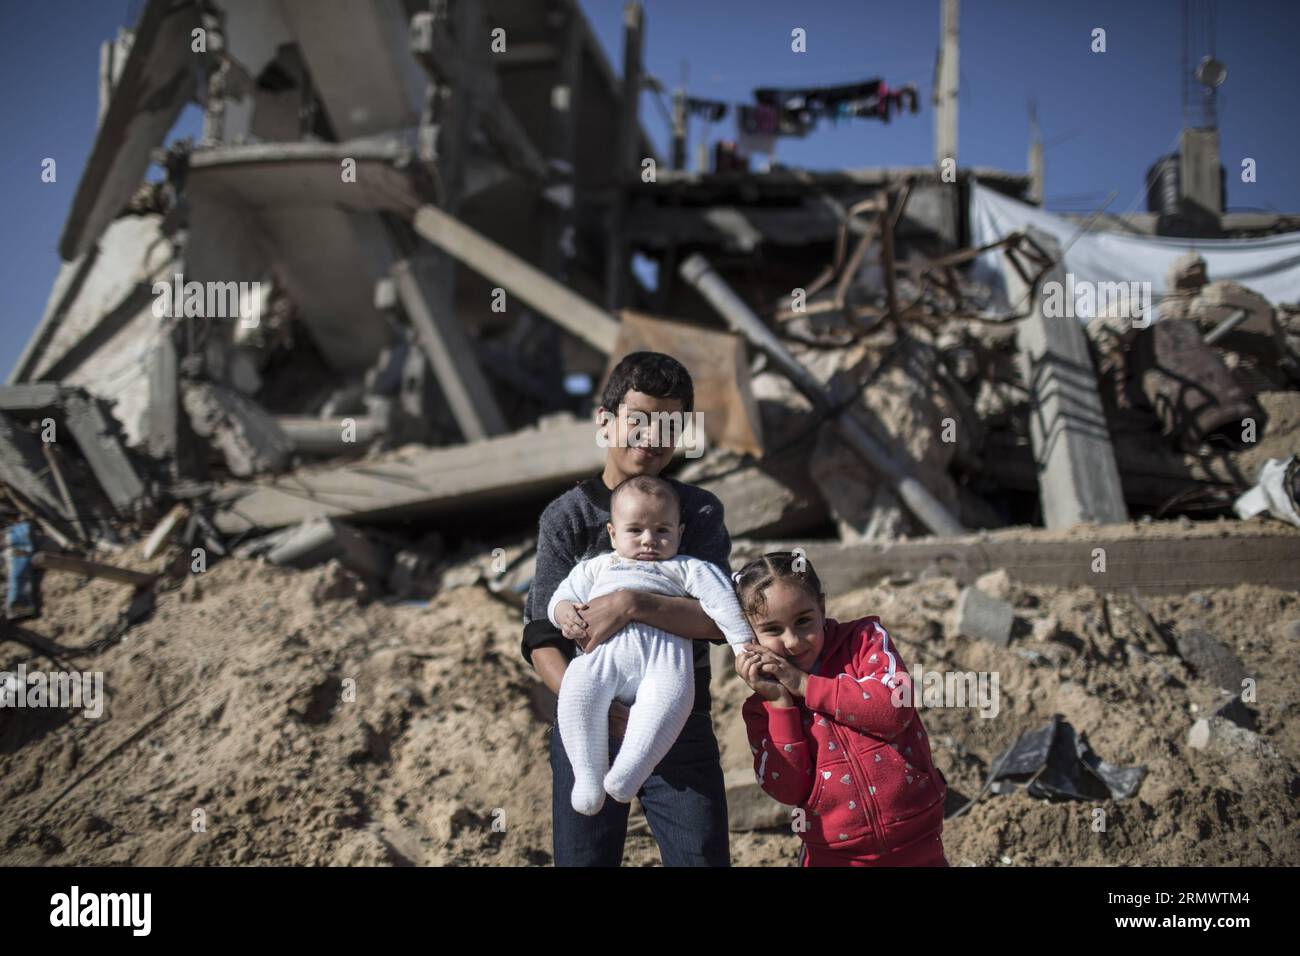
(641,665)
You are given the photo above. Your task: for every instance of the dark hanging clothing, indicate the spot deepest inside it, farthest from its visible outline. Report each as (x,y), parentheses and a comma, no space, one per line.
(711,110)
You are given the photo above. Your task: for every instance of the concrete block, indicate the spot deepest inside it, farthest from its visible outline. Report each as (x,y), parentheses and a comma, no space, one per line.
(323,539)
(983,617)
(1077,473)
(249,438)
(1235,711)
(995,584)
(1222,738)
(1211,659)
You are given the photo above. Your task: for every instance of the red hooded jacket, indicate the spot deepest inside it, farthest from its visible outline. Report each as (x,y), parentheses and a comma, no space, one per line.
(857,764)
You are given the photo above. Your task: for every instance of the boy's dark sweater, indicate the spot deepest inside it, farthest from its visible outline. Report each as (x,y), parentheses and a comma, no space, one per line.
(572,528)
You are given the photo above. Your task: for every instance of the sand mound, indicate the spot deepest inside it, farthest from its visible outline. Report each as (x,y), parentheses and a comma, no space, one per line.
(299,729)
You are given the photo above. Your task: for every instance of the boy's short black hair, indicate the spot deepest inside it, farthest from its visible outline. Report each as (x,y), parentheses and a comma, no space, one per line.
(650,485)
(652,373)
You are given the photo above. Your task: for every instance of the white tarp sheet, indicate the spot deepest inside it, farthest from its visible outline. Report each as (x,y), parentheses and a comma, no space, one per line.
(1268,265)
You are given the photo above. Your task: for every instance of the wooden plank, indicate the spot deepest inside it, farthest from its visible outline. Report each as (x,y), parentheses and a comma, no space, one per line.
(594,326)
(48,561)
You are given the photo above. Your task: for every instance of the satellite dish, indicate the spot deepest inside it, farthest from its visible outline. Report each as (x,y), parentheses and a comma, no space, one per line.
(1210,73)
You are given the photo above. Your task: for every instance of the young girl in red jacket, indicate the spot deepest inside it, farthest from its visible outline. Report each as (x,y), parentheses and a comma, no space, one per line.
(832,726)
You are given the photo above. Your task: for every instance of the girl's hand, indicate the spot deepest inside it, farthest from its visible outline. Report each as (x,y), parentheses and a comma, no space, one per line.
(784,673)
(749,667)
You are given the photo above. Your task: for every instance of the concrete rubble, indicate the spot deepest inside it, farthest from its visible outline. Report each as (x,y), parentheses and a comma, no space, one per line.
(359,329)
(325,317)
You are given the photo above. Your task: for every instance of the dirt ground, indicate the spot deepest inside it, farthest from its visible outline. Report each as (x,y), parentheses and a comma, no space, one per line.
(251,721)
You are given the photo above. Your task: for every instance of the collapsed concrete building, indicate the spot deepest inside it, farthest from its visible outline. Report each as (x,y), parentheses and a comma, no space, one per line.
(380,292)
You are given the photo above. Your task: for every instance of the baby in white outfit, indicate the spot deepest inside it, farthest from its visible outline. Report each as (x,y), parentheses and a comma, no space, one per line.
(641,665)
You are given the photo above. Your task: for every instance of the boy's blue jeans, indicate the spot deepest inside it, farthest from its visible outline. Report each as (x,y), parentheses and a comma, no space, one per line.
(685,803)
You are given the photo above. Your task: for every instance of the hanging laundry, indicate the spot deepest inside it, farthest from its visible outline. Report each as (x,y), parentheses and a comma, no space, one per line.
(819,99)
(780,120)
(884,103)
(802,107)
(785,111)
(756,128)
(711,110)
(909,93)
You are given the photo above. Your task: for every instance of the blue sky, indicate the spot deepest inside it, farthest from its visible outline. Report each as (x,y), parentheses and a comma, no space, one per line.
(1106,115)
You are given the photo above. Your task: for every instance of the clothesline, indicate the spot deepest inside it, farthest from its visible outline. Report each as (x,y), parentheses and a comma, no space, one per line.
(794,111)
(871,98)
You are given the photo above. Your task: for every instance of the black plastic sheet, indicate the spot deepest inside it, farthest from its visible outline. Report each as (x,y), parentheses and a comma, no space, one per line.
(1056,762)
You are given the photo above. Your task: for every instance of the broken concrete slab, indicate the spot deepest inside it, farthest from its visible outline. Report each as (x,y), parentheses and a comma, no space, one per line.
(770,499)
(95,432)
(447,347)
(265,175)
(22,468)
(247,436)
(1258,330)
(1211,660)
(267,196)
(996,584)
(898,471)
(864,507)
(156,82)
(360,61)
(983,617)
(347,435)
(1222,738)
(906,405)
(323,539)
(1234,710)
(418,481)
(95,296)
(1077,474)
(1155,558)
(552,299)
(31,398)
(1187,384)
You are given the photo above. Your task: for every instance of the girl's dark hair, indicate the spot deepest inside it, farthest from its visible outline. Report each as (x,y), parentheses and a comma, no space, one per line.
(760,574)
(652,373)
